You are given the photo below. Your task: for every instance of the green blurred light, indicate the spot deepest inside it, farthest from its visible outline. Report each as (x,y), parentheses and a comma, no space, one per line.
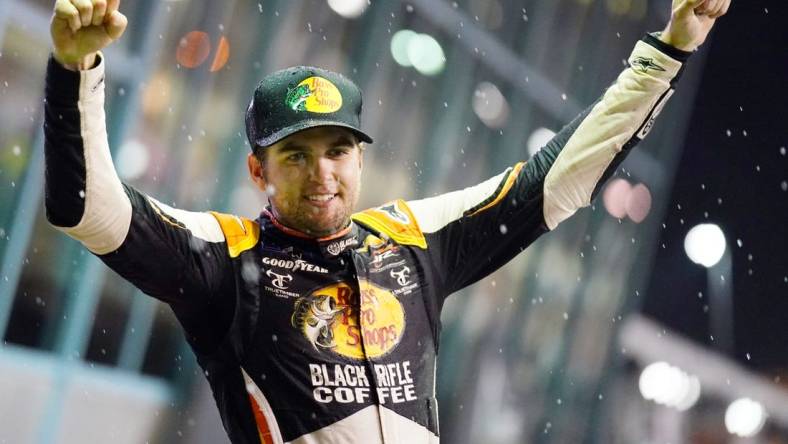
(426,54)
(399,46)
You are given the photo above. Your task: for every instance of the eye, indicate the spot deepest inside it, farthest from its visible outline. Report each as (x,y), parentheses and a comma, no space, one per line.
(338,151)
(295,157)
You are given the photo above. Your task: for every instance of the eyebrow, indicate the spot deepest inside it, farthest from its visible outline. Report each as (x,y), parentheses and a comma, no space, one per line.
(290,147)
(342,141)
(293,147)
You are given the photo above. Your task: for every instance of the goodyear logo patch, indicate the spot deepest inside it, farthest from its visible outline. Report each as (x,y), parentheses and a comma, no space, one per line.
(316,95)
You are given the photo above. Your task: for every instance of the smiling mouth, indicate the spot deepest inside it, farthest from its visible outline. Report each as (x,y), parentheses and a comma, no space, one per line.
(320,198)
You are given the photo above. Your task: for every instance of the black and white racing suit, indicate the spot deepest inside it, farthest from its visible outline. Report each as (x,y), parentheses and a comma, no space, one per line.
(331,340)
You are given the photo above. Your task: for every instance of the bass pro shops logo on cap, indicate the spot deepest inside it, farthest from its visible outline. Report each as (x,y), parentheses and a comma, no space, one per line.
(316,95)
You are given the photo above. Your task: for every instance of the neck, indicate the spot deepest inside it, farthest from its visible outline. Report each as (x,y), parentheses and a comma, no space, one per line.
(302,234)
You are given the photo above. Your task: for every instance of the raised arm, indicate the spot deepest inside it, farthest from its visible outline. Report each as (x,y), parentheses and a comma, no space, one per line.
(472,232)
(177,256)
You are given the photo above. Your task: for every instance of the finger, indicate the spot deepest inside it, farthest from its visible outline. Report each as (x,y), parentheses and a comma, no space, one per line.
(85,8)
(721,9)
(65,11)
(709,7)
(112,6)
(99,9)
(727,6)
(689,7)
(115,25)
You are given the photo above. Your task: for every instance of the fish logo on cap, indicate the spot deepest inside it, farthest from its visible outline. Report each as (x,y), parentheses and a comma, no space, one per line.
(316,95)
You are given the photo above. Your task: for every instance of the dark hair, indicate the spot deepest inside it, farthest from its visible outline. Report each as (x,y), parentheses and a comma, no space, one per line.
(260,151)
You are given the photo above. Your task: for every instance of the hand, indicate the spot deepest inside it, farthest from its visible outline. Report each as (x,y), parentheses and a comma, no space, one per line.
(691,21)
(81,28)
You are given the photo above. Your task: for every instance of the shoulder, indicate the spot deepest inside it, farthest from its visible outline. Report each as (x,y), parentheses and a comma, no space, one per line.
(394,219)
(240,233)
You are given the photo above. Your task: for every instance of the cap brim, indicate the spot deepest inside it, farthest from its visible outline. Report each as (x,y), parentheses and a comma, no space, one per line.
(305,125)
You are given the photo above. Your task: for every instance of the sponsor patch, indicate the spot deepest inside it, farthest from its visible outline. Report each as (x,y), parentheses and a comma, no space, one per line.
(336,319)
(349,383)
(316,95)
(280,281)
(643,64)
(279,284)
(337,247)
(380,255)
(402,276)
(392,210)
(293,265)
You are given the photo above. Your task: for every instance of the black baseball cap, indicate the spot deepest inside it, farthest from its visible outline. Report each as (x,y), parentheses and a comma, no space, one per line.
(301,97)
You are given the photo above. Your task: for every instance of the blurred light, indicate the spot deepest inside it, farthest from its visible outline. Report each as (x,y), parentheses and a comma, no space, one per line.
(618,7)
(193,49)
(156,95)
(745,417)
(426,54)
(669,386)
(222,55)
(616,196)
(132,159)
(638,203)
(490,105)
(399,46)
(348,8)
(538,139)
(692,395)
(705,244)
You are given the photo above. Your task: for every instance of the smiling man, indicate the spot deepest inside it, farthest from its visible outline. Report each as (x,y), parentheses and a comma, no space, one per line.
(315,324)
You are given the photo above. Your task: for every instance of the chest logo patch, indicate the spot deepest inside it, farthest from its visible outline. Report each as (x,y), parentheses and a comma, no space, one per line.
(280,281)
(336,319)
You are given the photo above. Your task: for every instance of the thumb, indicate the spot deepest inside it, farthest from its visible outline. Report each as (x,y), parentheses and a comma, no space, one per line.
(115,25)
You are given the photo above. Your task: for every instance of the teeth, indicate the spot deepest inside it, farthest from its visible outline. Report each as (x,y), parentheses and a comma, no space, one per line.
(321,197)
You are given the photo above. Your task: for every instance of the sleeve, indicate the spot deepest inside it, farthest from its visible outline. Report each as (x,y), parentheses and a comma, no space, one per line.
(176,256)
(472,232)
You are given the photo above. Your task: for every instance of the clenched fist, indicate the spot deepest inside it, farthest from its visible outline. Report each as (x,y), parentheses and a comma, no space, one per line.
(80,28)
(691,21)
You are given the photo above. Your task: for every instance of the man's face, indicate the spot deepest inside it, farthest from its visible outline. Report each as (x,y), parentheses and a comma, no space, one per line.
(313,179)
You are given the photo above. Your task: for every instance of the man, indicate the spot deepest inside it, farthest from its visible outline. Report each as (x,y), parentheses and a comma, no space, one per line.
(314,324)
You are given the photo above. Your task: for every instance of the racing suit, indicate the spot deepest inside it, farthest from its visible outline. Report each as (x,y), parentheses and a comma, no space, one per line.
(331,340)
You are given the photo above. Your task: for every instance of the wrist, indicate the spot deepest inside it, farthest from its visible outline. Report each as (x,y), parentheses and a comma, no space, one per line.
(666,36)
(79,64)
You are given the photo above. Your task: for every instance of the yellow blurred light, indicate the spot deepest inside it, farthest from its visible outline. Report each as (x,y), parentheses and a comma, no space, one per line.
(156,95)
(222,55)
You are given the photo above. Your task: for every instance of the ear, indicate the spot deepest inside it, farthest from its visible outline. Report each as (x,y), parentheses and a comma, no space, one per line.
(360,148)
(256,171)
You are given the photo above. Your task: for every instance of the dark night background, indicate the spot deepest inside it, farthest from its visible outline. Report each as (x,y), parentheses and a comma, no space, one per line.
(745,91)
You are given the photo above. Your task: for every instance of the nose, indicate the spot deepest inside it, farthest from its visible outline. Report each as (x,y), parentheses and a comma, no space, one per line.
(322,169)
